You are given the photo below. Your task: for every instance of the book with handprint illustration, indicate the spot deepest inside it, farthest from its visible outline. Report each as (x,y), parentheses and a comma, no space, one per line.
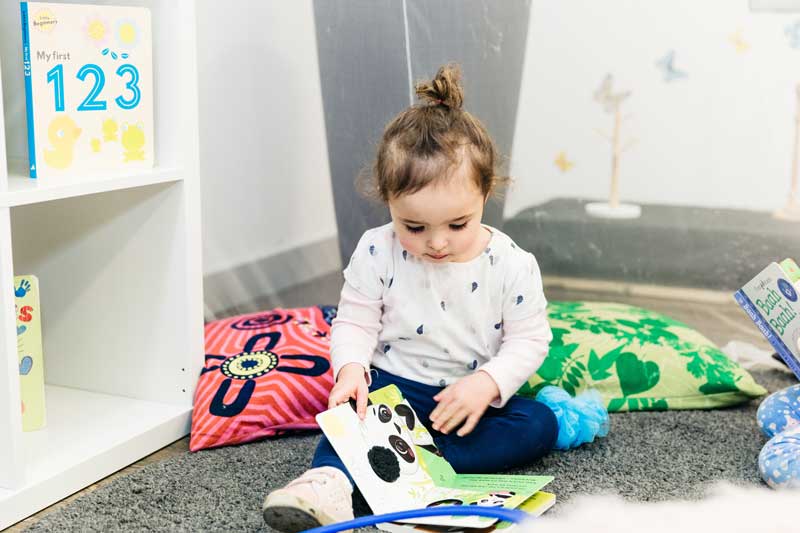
(89,88)
(397,466)
(29,350)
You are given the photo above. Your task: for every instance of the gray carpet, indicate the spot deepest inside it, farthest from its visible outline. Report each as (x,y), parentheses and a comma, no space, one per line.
(646,457)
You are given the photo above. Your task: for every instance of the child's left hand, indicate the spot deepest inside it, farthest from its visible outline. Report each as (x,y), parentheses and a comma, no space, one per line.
(466,399)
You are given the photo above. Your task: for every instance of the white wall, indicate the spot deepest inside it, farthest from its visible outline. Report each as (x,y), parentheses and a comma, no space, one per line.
(264,162)
(722,136)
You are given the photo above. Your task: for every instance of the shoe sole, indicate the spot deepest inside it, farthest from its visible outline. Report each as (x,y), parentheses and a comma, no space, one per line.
(289,519)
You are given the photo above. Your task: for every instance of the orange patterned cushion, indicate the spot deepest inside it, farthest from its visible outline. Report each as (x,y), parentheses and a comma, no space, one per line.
(265,373)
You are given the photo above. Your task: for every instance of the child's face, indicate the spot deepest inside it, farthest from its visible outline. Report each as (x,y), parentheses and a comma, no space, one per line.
(442,222)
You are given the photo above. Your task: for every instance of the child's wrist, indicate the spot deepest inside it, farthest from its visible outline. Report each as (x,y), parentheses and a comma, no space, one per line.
(351,370)
(493,389)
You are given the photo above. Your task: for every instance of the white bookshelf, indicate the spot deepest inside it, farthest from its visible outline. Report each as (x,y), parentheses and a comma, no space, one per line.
(118,259)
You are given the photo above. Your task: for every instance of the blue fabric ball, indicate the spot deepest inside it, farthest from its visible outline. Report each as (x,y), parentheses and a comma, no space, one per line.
(779,460)
(779,411)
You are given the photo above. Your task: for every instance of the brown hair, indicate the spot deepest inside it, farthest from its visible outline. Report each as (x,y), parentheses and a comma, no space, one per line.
(425,142)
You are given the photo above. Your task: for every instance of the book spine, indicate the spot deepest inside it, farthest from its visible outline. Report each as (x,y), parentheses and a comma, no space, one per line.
(26,62)
(745,303)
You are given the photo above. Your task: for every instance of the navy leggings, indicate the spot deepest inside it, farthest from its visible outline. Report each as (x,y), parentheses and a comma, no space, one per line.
(508,437)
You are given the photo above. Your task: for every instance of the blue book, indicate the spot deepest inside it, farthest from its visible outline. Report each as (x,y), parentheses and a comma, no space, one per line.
(771,301)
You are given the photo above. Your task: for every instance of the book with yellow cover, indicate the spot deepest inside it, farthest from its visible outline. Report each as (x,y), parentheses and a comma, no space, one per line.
(29,349)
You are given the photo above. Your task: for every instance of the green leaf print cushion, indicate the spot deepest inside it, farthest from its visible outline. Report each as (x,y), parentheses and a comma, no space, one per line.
(638,360)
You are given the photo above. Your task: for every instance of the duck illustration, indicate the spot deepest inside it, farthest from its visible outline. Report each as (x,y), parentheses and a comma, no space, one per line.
(110,129)
(62,133)
(133,141)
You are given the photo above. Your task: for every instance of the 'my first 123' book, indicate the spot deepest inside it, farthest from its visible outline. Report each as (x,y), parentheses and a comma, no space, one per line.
(89,88)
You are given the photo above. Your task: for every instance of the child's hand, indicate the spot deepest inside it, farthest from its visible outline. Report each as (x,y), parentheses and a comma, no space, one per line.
(350,383)
(466,399)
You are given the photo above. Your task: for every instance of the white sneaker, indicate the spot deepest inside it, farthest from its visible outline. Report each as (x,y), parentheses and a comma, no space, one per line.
(319,497)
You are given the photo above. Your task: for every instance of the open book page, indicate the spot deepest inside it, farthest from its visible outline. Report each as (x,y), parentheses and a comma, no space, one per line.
(396,465)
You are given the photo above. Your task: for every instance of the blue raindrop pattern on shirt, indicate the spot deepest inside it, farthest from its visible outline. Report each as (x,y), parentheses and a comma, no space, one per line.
(457,297)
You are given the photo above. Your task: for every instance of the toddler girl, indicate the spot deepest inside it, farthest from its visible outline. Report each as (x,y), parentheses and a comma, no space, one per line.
(449,310)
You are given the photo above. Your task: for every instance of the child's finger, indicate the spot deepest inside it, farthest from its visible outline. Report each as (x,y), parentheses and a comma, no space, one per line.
(437,411)
(469,425)
(448,410)
(334,399)
(362,393)
(454,421)
(338,396)
(442,394)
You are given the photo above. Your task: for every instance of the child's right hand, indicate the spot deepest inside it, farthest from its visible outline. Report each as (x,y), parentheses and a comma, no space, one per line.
(350,383)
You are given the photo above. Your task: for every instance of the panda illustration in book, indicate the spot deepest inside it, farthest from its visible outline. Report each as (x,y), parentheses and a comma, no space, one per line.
(391,437)
(494,499)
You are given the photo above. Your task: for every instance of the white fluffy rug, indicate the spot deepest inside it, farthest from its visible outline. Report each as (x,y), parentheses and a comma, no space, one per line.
(727,509)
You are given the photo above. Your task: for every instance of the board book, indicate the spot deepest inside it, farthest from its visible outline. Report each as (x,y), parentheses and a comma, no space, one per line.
(397,466)
(536,505)
(29,351)
(89,88)
(771,301)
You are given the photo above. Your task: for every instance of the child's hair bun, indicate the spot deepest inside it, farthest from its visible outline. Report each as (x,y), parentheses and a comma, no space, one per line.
(445,88)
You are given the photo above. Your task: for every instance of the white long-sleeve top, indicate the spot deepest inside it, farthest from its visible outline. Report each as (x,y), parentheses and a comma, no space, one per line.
(437,322)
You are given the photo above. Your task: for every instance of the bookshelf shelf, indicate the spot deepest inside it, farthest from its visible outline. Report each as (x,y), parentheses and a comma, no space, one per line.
(23,190)
(118,258)
(85,435)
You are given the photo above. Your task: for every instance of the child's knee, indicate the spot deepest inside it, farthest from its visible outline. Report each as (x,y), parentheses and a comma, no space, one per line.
(536,422)
(780,411)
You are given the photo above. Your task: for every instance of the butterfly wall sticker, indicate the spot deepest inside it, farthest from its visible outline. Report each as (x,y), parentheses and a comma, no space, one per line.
(793,34)
(610,100)
(667,67)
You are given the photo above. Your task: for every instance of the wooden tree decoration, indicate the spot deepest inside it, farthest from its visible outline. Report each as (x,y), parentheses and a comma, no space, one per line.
(611,103)
(791,211)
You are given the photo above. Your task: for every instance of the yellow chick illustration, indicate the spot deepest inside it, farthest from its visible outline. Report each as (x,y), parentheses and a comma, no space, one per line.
(133,141)
(62,133)
(95,144)
(110,129)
